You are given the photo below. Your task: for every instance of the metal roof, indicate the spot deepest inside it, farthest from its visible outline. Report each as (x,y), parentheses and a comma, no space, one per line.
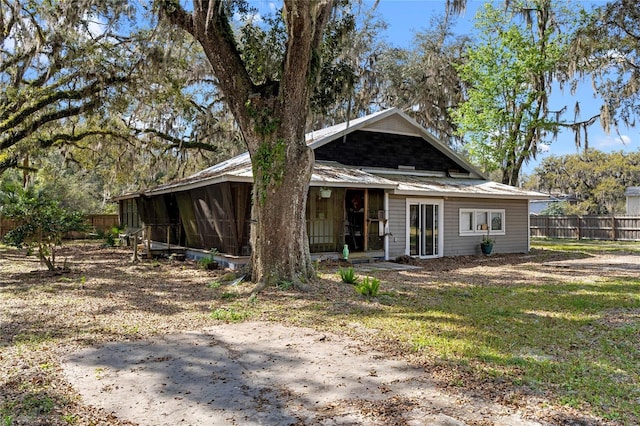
(633,191)
(458,187)
(338,175)
(238,169)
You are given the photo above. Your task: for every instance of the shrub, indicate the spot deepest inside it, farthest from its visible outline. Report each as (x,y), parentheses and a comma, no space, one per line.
(348,275)
(110,237)
(42,220)
(368,287)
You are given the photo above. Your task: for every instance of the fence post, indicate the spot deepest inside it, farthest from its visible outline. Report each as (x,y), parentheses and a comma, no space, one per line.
(148,242)
(547,230)
(613,228)
(579,219)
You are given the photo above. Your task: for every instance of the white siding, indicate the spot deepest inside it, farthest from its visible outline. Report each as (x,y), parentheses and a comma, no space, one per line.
(515,240)
(397,226)
(633,205)
(393,124)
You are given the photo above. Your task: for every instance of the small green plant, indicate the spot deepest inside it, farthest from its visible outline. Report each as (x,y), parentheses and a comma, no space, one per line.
(37,404)
(348,275)
(206,262)
(43,221)
(7,420)
(70,419)
(368,287)
(487,240)
(209,262)
(111,237)
(229,315)
(214,284)
(229,296)
(284,285)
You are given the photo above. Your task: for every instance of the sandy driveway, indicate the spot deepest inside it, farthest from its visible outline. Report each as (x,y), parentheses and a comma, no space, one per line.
(257,373)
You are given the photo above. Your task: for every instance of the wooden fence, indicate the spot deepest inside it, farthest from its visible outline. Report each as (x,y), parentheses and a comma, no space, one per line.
(616,228)
(96,223)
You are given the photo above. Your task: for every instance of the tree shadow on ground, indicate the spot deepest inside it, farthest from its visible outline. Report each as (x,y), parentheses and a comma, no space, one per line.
(228,377)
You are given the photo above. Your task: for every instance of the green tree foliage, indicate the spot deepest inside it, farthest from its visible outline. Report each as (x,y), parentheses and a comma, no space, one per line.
(60,67)
(348,79)
(556,208)
(424,80)
(351,81)
(609,37)
(271,114)
(110,90)
(510,72)
(598,180)
(42,220)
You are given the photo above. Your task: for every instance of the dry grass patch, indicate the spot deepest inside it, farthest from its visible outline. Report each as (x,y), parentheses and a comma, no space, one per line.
(552,341)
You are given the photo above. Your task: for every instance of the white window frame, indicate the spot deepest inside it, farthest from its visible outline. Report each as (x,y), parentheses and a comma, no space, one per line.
(433,201)
(474,226)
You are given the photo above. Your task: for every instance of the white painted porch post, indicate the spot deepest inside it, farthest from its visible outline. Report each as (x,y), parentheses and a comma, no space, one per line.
(385,224)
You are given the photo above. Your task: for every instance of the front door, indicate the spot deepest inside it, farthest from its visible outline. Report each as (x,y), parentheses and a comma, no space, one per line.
(424,237)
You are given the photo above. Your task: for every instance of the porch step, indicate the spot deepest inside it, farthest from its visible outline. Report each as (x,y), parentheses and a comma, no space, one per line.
(158,252)
(359,260)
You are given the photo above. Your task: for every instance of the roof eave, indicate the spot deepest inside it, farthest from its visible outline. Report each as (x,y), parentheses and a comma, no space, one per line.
(347,184)
(444,194)
(199,184)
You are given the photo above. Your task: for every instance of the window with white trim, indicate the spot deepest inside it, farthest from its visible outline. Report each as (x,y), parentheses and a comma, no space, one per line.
(482,221)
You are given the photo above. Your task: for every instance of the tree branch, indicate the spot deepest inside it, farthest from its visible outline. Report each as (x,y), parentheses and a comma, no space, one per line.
(304,34)
(177,143)
(69,95)
(75,137)
(13,138)
(209,25)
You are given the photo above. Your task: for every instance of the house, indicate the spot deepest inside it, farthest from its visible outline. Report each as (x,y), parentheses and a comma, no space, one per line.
(537,207)
(381,184)
(633,200)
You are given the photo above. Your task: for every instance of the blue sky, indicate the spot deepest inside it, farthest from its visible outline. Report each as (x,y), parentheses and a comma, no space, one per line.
(405,17)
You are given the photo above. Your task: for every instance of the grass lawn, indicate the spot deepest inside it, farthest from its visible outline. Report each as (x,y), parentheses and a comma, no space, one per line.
(587,246)
(517,329)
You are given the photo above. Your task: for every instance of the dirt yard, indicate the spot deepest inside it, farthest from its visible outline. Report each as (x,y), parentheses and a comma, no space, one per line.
(166,342)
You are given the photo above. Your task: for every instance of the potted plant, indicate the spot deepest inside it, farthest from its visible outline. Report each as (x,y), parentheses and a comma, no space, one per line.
(209,262)
(487,244)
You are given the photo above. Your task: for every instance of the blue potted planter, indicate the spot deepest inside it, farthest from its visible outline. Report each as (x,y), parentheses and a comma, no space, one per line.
(486,248)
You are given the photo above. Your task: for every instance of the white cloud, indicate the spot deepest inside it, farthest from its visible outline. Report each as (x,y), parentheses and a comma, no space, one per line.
(613,141)
(543,148)
(254,18)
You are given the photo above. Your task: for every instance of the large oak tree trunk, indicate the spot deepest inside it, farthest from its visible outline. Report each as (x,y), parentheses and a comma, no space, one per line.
(271,116)
(278,229)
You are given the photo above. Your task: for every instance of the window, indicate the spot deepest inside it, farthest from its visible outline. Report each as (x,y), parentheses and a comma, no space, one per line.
(481,221)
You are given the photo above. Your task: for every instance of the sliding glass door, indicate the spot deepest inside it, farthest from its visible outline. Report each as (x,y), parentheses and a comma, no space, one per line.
(423,228)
